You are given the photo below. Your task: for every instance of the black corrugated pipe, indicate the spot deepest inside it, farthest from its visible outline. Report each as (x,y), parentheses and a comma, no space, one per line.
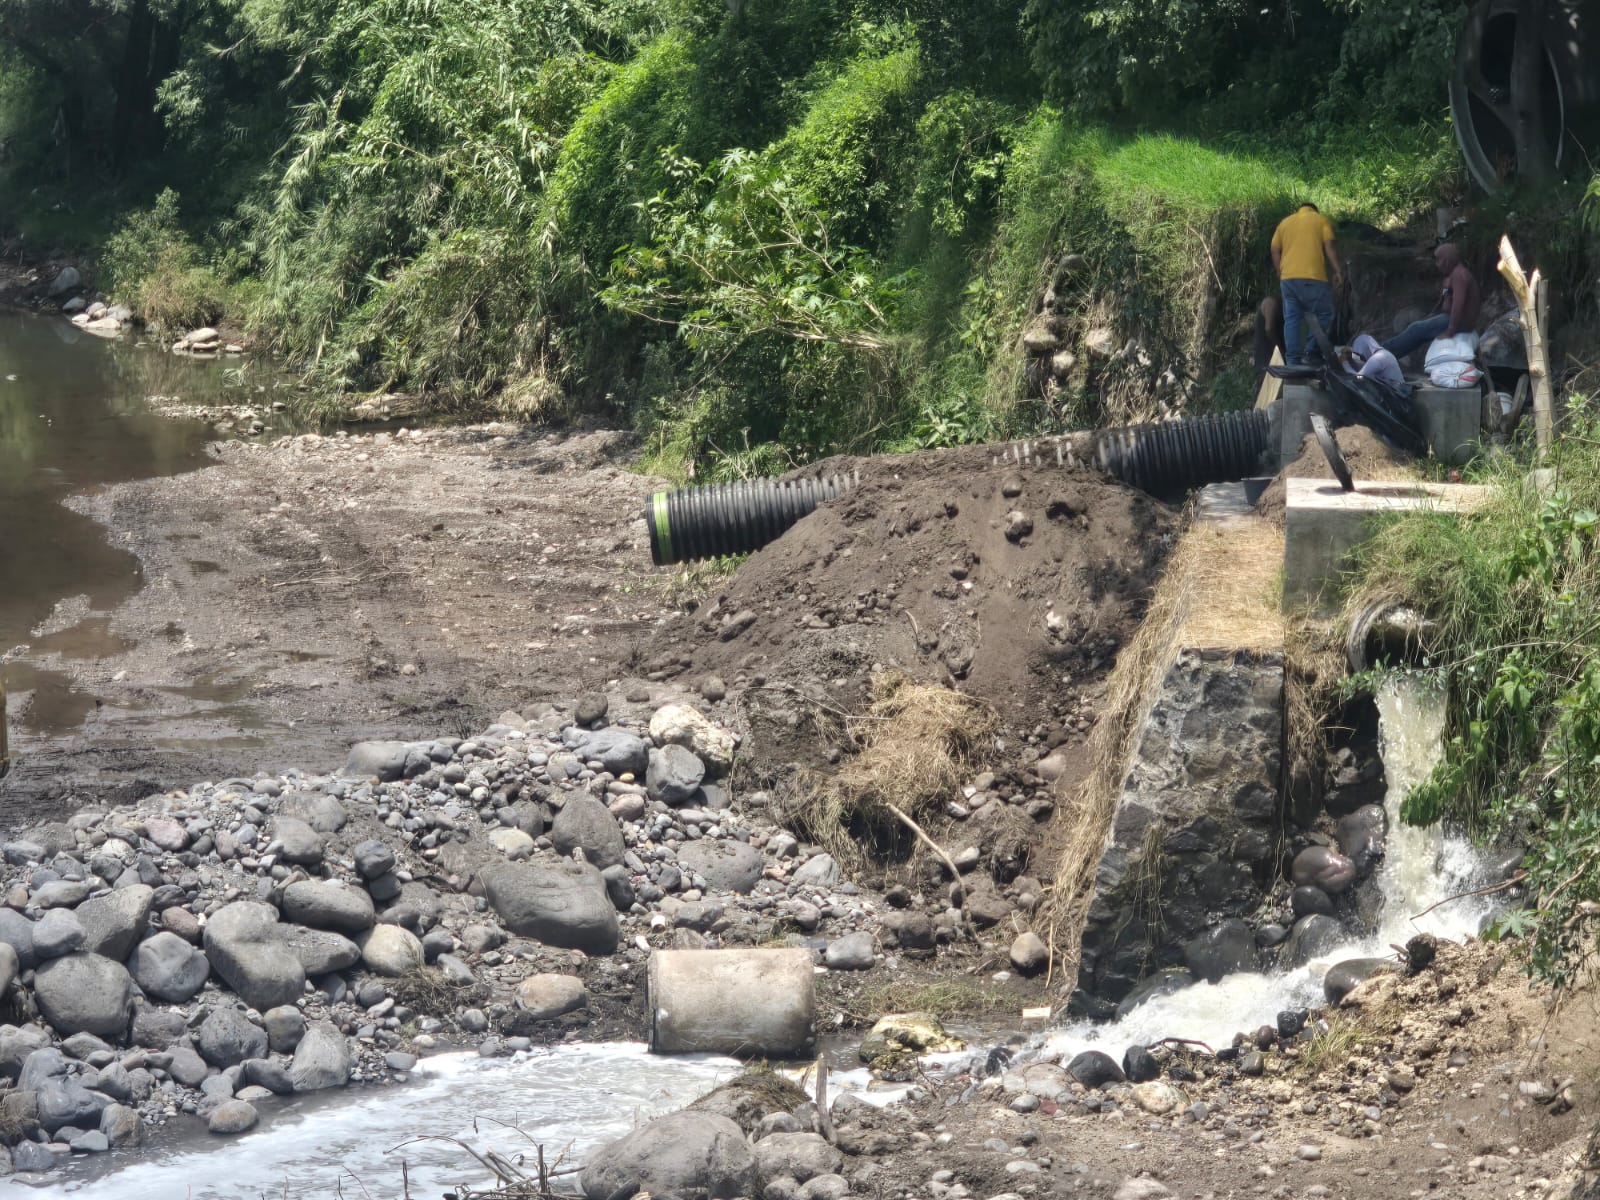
(732,518)
(1174,456)
(1164,458)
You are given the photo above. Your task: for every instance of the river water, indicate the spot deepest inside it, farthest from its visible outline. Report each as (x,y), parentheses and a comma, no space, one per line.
(570,1099)
(1420,868)
(73,416)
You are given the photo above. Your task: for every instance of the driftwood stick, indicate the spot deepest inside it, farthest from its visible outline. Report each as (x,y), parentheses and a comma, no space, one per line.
(1505,885)
(922,836)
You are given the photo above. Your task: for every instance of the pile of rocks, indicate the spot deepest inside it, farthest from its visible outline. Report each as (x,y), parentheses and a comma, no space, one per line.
(204,342)
(98,317)
(1414,1021)
(217,945)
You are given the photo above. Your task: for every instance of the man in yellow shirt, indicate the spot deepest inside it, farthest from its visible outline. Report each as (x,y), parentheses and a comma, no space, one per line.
(1302,252)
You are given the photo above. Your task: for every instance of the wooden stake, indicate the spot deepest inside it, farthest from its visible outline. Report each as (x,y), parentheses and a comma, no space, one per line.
(824,1117)
(1533,304)
(1271,385)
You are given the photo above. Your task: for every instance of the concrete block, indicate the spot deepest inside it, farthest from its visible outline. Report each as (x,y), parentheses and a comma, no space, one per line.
(1323,524)
(1293,418)
(759,1003)
(1451,420)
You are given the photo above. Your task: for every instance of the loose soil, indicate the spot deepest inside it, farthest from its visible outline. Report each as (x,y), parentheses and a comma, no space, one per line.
(1017,588)
(1367,455)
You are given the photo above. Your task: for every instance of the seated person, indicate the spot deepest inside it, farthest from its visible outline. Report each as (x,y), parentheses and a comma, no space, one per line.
(1459,302)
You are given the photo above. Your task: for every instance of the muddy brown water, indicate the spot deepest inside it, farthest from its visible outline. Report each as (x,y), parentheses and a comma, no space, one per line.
(74,415)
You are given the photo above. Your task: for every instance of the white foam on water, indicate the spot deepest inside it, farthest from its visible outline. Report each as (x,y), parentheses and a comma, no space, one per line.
(1420,867)
(571,1098)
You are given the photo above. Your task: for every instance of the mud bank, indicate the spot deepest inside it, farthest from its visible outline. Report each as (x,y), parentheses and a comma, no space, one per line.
(307,593)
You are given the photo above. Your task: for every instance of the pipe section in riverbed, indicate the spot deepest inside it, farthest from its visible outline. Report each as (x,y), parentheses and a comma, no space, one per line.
(1165,459)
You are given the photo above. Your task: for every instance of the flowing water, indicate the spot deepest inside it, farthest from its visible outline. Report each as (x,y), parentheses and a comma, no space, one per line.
(1420,867)
(569,1098)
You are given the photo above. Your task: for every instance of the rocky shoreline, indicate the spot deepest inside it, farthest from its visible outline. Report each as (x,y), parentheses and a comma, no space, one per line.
(213,947)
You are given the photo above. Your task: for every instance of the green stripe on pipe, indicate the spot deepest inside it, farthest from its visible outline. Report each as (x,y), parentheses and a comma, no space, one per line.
(663,527)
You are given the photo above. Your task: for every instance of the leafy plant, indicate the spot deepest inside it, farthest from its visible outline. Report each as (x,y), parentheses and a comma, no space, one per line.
(1511,594)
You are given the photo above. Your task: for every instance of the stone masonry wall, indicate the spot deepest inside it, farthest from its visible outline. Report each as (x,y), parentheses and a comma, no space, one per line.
(1196,835)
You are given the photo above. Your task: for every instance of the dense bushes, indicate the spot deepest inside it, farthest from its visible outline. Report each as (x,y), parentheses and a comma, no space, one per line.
(761,232)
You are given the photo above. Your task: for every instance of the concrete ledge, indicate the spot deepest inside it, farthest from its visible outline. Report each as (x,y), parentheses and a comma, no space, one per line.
(1323,524)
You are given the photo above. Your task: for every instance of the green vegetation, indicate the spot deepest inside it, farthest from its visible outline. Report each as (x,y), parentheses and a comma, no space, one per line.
(758,232)
(1511,592)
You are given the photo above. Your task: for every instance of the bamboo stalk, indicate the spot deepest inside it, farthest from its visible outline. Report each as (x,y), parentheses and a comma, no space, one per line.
(1533,304)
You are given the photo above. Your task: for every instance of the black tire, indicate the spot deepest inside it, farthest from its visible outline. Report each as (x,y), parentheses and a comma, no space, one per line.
(1480,88)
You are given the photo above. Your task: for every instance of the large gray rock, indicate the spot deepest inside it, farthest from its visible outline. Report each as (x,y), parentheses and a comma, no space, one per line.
(585,824)
(619,751)
(58,932)
(114,923)
(320,950)
(1361,836)
(328,906)
(675,774)
(64,1101)
(819,871)
(561,904)
(372,858)
(85,993)
(232,1116)
(685,1153)
(228,1037)
(384,760)
(16,1044)
(391,950)
(726,866)
(323,1059)
(248,948)
(800,1156)
(322,812)
(297,842)
(168,968)
(1321,867)
(285,1026)
(17,932)
(852,952)
(187,1067)
(67,280)
(1221,951)
(545,996)
(123,1126)
(1312,937)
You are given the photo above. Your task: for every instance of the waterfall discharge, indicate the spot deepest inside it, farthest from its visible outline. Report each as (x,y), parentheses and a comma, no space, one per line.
(1420,867)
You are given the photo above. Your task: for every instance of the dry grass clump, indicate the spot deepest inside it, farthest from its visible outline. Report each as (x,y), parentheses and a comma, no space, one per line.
(428,989)
(918,744)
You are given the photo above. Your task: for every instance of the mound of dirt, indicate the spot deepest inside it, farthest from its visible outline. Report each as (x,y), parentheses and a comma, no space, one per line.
(1366,454)
(1016,587)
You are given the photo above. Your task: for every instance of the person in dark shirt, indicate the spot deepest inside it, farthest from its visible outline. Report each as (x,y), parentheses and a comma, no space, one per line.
(1459,303)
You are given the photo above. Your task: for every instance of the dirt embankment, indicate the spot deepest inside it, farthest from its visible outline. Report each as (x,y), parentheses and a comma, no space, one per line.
(1016,587)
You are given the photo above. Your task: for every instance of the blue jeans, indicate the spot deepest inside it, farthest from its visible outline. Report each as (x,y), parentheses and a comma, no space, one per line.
(1301,296)
(1417,334)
